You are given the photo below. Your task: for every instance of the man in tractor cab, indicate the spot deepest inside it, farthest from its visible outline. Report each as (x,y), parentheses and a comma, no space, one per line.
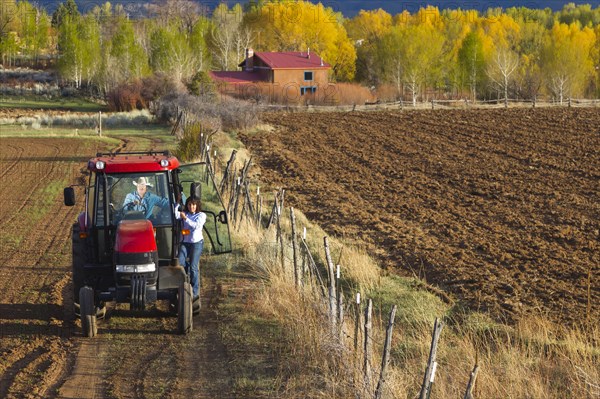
(141,200)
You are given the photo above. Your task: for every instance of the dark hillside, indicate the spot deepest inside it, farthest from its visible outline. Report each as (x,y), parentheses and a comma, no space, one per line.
(350,8)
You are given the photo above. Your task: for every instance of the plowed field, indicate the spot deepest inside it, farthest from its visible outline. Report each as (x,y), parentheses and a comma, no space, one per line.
(500,208)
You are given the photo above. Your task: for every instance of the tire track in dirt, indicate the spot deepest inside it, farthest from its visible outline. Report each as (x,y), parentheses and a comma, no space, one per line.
(12,158)
(204,370)
(18,361)
(85,378)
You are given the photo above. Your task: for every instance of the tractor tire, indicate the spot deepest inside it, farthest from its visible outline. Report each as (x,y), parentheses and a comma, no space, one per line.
(88,312)
(184,311)
(77,268)
(78,276)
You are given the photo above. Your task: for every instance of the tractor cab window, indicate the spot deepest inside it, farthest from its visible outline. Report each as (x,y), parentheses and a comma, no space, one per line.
(134,196)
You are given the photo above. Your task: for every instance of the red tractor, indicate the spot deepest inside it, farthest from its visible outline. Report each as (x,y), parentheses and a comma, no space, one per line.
(126,251)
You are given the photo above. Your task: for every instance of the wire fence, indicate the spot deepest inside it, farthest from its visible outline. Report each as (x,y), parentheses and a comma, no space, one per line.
(438,104)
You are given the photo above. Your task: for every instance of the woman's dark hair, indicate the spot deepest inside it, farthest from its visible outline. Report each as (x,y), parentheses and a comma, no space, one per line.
(193,201)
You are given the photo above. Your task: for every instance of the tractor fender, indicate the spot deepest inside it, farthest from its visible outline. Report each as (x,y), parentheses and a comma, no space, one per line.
(171,277)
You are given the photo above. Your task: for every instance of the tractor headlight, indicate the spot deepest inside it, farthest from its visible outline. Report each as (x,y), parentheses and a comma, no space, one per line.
(164,163)
(100,165)
(149,267)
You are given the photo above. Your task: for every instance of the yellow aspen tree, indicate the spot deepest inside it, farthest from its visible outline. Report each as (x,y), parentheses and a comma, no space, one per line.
(567,61)
(365,30)
(301,25)
(369,25)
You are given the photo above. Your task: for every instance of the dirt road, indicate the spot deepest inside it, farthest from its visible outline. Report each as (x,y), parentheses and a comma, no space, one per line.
(42,354)
(501,208)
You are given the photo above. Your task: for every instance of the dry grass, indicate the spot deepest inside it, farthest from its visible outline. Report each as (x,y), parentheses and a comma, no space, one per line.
(532,359)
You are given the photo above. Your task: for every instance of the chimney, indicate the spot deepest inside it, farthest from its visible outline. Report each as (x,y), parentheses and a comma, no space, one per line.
(249,59)
(308,52)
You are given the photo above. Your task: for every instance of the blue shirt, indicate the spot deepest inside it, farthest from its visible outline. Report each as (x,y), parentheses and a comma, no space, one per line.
(133,202)
(194,222)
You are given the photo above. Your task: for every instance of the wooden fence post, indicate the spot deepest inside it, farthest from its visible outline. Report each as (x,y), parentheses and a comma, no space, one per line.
(273,211)
(248,200)
(386,354)
(227,171)
(357,322)
(431,363)
(259,211)
(368,344)
(471,385)
(238,192)
(232,195)
(314,266)
(331,275)
(242,213)
(295,248)
(304,270)
(340,314)
(280,237)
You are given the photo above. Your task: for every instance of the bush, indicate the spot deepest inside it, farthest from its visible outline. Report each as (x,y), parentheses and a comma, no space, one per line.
(226,115)
(189,147)
(238,115)
(140,93)
(203,86)
(126,97)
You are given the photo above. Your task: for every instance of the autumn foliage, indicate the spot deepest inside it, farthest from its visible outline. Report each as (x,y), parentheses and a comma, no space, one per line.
(492,54)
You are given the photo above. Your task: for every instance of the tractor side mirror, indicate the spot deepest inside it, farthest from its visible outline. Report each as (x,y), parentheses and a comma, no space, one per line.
(69,194)
(222,217)
(196,190)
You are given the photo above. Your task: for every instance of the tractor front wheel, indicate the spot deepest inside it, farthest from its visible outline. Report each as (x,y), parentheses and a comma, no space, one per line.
(88,312)
(184,311)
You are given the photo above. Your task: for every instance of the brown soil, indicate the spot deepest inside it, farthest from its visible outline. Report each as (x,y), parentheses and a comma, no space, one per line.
(500,208)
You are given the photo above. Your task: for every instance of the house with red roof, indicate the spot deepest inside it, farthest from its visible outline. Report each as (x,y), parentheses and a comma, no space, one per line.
(304,72)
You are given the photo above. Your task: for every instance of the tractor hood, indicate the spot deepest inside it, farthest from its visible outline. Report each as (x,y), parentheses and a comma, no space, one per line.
(135,236)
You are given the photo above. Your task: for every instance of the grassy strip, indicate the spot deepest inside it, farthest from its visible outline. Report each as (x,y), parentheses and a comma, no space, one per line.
(111,136)
(252,340)
(66,104)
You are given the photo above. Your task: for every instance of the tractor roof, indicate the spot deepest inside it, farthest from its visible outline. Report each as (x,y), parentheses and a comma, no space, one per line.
(133,162)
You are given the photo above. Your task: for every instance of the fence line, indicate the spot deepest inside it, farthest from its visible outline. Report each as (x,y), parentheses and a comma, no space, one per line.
(437,104)
(330,299)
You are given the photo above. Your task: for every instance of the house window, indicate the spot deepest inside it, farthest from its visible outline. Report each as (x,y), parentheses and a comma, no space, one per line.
(308,90)
(308,75)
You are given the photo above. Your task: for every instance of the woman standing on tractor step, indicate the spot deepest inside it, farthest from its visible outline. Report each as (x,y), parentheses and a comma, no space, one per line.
(193,242)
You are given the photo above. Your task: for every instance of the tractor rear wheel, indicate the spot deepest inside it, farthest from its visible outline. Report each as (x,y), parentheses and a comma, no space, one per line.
(78,262)
(88,312)
(184,311)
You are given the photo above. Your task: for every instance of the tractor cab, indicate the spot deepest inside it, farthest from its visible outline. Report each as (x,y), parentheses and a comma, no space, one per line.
(126,240)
